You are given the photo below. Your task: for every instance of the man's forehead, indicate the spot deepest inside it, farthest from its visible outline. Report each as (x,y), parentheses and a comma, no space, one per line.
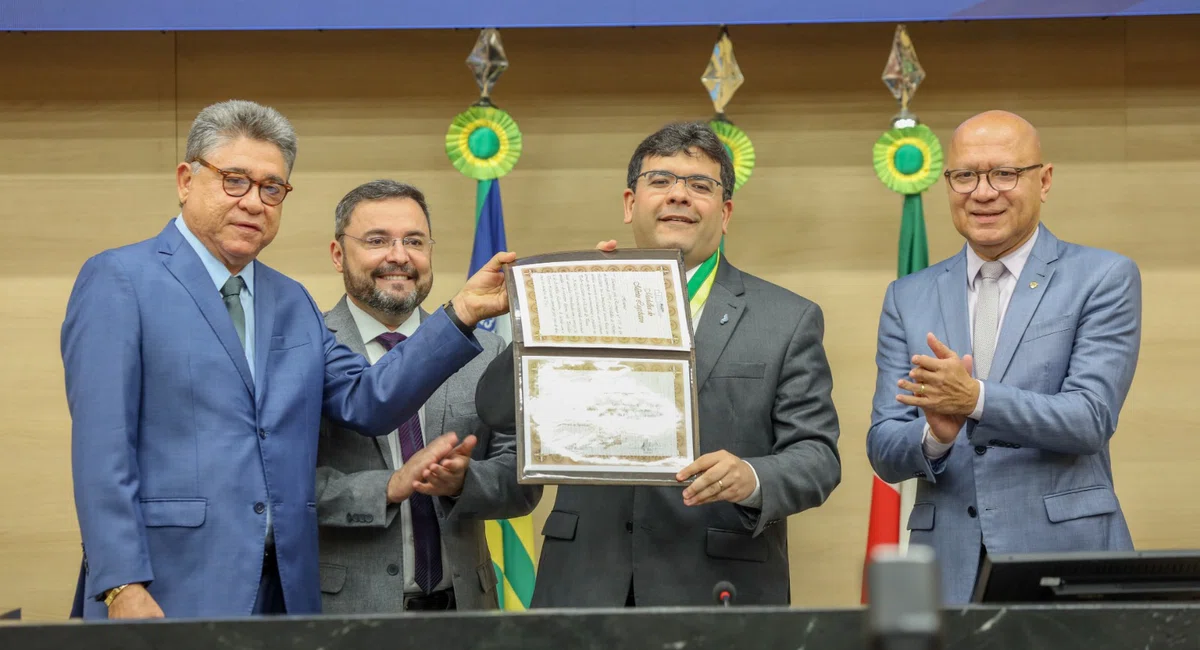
(253,157)
(682,160)
(398,215)
(986,154)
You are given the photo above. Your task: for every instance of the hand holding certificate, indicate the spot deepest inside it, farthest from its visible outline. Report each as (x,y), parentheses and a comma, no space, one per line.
(603,356)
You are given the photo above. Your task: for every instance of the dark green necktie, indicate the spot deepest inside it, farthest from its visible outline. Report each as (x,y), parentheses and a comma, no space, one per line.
(231,293)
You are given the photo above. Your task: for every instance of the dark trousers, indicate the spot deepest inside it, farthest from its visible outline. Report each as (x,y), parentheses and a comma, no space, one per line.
(270,589)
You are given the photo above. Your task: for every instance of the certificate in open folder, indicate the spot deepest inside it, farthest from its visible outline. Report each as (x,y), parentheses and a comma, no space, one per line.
(604,361)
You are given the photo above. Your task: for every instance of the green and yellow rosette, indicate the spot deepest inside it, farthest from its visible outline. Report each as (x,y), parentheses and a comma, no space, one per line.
(483,143)
(740,149)
(908,160)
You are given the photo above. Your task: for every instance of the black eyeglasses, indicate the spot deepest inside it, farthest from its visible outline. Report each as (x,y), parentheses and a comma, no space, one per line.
(238,184)
(662,181)
(1002,179)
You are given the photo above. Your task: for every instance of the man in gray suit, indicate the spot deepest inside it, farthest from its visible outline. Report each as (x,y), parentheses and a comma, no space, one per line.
(399,530)
(1016,457)
(768,428)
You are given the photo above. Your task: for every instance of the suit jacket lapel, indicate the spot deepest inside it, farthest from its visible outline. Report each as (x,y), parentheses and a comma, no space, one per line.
(724,299)
(1025,300)
(340,321)
(264,326)
(435,408)
(952,297)
(183,263)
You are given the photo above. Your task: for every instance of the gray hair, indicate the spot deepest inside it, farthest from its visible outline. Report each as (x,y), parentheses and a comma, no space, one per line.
(377,190)
(219,123)
(681,137)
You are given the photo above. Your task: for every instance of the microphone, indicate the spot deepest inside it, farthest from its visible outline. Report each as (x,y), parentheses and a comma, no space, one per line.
(904,612)
(724,593)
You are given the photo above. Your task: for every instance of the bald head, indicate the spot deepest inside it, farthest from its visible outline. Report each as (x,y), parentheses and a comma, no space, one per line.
(997,181)
(998,127)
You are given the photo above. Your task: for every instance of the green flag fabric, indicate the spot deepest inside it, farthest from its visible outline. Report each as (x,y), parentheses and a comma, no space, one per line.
(914,247)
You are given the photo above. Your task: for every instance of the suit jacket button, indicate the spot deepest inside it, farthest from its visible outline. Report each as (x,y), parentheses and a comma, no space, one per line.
(919,475)
(972,512)
(393,569)
(980,450)
(262,433)
(629,526)
(259,508)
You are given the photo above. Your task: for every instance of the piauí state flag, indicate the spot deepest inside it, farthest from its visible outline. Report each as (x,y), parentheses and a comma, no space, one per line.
(510,540)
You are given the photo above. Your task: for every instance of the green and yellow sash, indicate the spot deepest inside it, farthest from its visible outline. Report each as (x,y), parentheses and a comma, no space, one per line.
(701,284)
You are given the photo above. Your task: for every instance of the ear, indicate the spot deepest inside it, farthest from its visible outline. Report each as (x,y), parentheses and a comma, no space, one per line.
(335,255)
(726,213)
(1047,178)
(628,199)
(183,181)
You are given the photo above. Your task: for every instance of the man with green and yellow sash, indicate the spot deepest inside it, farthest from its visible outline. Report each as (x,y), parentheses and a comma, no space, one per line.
(768,428)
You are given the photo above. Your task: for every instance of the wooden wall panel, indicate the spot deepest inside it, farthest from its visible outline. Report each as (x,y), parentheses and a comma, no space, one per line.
(91,126)
(87,126)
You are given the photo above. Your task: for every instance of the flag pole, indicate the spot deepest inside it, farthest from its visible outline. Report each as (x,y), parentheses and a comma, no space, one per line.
(484,143)
(908,160)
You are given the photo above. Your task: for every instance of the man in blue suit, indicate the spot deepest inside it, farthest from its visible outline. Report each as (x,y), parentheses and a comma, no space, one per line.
(1002,370)
(197,377)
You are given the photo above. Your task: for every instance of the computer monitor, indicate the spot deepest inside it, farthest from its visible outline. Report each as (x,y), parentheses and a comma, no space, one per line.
(1089,577)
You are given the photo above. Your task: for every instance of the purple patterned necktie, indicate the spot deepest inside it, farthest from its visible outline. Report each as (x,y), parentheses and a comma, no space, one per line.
(427,564)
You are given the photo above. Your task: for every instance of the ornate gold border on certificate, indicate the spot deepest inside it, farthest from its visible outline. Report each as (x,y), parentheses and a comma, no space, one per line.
(677,369)
(672,306)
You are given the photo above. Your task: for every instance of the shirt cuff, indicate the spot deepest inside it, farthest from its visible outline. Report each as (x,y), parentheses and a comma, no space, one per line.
(933,447)
(978,412)
(755,498)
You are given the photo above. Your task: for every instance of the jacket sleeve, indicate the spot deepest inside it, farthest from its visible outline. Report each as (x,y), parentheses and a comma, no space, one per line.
(490,489)
(372,398)
(894,439)
(804,466)
(102,364)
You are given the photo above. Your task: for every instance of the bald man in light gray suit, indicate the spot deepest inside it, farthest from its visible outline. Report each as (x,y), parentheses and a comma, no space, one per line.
(397,531)
(1003,369)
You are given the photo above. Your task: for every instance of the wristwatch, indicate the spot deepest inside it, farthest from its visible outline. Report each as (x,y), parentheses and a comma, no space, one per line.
(462,327)
(112,593)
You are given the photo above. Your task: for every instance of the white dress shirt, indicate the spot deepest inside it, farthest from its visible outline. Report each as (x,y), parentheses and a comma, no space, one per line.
(370,328)
(755,498)
(1014,263)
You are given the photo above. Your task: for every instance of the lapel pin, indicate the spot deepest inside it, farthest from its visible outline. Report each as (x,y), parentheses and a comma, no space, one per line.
(1032,285)
(724,318)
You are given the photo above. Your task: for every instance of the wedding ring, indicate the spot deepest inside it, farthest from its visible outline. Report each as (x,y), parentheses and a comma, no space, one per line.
(720,485)
(921,389)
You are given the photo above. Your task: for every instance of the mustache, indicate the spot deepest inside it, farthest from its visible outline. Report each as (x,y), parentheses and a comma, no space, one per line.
(391,269)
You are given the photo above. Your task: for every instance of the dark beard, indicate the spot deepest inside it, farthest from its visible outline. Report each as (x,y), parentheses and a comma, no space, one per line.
(364,290)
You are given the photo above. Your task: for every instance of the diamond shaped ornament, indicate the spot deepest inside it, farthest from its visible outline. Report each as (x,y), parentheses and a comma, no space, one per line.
(903,72)
(487,60)
(722,77)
